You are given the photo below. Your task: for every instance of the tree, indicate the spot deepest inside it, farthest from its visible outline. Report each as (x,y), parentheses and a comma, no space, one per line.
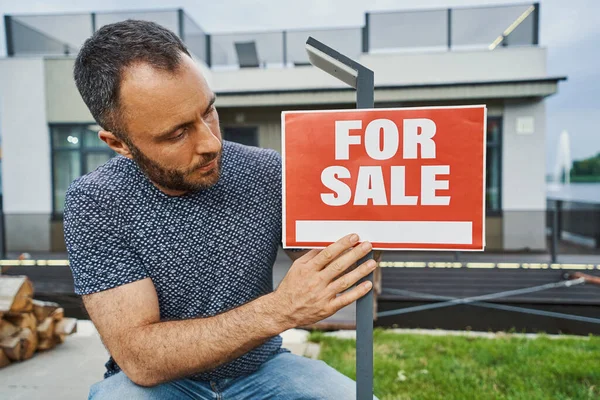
(589,167)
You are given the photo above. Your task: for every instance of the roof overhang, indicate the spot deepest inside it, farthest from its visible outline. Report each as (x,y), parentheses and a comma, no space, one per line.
(526,88)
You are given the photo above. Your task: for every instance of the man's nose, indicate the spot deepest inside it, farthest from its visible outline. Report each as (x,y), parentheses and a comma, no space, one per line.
(206,140)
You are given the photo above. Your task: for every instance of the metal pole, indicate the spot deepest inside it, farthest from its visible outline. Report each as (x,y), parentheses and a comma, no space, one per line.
(365,98)
(2,230)
(284,41)
(10,44)
(449,33)
(328,59)
(365,34)
(555,230)
(93,15)
(180,22)
(536,24)
(208,54)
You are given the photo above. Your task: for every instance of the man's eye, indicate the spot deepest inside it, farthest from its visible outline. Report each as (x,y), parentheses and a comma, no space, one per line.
(181,134)
(211,112)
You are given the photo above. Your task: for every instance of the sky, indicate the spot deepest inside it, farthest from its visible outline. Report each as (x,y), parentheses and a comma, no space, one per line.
(569,29)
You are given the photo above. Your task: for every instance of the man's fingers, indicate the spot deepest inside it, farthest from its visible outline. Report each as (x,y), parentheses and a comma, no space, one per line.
(348,259)
(309,255)
(351,296)
(349,279)
(331,252)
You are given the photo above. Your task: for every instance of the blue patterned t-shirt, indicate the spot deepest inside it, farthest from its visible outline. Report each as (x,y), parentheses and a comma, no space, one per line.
(206,252)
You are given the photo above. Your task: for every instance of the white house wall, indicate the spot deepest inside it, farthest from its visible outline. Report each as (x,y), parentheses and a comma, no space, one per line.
(523,176)
(26,176)
(501,64)
(64,103)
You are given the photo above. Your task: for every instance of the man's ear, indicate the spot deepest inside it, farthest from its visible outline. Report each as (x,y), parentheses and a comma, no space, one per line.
(115,143)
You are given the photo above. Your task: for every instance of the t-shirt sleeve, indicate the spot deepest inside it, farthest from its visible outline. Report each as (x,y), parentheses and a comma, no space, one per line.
(98,254)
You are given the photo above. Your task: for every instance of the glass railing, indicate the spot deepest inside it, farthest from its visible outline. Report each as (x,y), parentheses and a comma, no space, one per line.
(481,27)
(55,35)
(438,29)
(46,34)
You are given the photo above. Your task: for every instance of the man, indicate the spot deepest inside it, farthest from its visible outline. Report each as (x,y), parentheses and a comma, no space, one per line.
(173,241)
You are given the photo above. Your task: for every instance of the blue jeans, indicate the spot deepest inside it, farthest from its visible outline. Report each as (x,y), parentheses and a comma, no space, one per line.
(285,376)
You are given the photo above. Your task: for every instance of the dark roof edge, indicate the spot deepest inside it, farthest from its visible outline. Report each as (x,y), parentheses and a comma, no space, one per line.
(388,87)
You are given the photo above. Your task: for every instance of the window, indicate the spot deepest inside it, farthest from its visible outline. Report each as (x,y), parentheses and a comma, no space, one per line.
(241,134)
(76,150)
(493,198)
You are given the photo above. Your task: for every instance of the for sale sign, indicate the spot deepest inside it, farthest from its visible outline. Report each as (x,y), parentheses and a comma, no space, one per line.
(405,179)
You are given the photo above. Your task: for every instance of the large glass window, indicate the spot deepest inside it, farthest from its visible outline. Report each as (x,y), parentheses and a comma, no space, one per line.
(76,150)
(493,180)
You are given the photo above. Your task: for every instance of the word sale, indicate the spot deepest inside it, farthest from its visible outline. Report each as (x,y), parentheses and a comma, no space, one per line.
(381,140)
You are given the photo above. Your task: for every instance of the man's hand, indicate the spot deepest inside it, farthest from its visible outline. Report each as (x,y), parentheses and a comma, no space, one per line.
(311,290)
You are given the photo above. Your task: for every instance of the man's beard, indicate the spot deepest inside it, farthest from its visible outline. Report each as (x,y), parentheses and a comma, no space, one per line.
(177,180)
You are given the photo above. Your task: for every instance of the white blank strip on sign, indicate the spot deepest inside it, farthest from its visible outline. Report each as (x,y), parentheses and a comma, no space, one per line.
(435,232)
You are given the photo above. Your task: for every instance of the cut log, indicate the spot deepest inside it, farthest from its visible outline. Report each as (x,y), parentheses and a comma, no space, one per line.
(46,344)
(16,294)
(58,314)
(20,346)
(23,320)
(29,342)
(7,329)
(43,309)
(63,328)
(45,330)
(4,360)
(12,347)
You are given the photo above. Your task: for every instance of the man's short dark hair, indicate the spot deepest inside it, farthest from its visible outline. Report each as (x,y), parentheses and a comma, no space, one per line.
(108,52)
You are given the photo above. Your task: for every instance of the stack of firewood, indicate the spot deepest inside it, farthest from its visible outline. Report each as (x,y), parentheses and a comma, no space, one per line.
(28,325)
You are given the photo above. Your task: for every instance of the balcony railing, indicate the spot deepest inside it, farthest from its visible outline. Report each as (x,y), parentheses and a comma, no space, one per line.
(437,29)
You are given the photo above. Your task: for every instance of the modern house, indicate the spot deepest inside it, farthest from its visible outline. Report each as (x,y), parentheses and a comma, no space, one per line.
(487,55)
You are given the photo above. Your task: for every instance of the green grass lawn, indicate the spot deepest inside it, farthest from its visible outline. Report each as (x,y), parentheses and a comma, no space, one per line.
(453,367)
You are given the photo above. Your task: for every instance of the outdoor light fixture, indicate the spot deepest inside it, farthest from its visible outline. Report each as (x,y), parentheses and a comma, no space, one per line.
(330,64)
(362,79)
(343,68)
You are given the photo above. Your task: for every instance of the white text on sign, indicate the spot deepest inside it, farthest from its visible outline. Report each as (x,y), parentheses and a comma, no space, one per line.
(381,140)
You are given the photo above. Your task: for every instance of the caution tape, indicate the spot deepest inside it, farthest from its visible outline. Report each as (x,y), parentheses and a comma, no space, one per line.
(383,264)
(487,265)
(34,263)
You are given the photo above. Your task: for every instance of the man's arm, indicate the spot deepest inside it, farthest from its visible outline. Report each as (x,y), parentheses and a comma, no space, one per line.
(151,352)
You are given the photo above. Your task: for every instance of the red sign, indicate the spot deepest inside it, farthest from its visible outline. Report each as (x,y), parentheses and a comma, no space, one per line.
(405,179)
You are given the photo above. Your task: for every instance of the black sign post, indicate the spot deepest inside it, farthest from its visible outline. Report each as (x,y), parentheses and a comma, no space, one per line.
(362,79)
